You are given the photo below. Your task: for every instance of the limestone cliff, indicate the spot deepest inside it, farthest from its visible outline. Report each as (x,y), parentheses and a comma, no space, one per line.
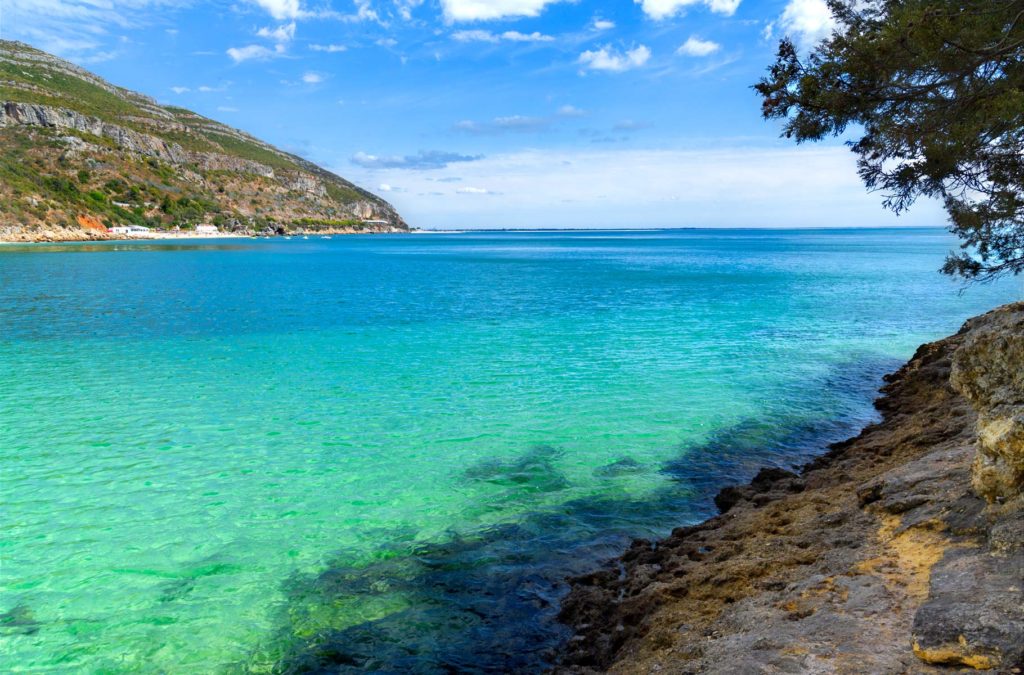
(76,148)
(898,551)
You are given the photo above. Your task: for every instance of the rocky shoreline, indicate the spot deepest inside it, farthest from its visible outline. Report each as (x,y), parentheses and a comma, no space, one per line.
(900,550)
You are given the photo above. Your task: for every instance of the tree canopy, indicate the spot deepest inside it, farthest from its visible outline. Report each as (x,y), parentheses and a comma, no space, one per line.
(935,90)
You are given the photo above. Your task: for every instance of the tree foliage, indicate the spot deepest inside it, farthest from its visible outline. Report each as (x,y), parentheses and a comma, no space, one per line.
(935,88)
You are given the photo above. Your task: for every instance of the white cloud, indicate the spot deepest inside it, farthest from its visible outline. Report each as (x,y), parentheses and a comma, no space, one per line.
(386,42)
(694,46)
(807,21)
(283,33)
(608,59)
(312,78)
(226,108)
(484,10)
(405,7)
(602,24)
(179,90)
(258,52)
(735,187)
(474,36)
(364,12)
(330,49)
(663,9)
(472,191)
(571,111)
(281,9)
(384,187)
(516,36)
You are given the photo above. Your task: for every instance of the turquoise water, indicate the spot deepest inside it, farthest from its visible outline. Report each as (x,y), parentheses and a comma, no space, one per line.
(387,452)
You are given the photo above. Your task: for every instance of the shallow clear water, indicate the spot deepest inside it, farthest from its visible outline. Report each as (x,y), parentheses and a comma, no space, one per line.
(387,452)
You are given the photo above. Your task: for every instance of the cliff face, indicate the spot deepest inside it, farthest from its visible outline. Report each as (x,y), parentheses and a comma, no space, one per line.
(75,146)
(878,557)
(989,372)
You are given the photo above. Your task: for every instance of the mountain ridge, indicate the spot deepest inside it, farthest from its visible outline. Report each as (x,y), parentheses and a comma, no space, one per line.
(81,155)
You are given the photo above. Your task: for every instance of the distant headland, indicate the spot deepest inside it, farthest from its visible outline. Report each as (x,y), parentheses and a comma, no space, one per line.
(84,159)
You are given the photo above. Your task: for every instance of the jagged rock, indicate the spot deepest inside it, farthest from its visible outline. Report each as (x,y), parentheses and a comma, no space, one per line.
(989,371)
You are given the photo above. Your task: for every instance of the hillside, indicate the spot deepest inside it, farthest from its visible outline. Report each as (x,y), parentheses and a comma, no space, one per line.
(80,155)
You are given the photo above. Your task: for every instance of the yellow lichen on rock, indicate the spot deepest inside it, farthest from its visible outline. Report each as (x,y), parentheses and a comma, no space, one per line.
(949,655)
(915,551)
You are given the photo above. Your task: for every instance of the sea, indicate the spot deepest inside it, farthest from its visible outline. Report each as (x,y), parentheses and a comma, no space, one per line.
(388,452)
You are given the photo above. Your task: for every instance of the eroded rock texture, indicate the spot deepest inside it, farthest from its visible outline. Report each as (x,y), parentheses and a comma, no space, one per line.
(879,557)
(989,371)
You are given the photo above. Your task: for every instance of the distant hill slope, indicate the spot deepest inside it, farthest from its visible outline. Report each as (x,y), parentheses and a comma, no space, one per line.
(78,154)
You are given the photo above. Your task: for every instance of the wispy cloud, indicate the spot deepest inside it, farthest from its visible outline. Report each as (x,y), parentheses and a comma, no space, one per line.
(257,52)
(283,33)
(330,49)
(500,125)
(508,36)
(608,59)
(740,186)
(571,111)
(180,90)
(82,30)
(430,159)
(312,78)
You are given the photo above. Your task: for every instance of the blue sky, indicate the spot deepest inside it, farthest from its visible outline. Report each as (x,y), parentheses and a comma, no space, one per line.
(501,113)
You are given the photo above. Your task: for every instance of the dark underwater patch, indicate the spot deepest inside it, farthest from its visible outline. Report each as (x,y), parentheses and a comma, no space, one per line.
(487,601)
(19,620)
(621,467)
(533,472)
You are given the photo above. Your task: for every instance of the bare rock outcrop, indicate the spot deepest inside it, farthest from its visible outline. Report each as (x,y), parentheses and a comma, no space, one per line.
(989,372)
(31,114)
(879,557)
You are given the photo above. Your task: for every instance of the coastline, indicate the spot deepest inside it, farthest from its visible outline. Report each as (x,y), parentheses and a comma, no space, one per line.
(877,557)
(69,235)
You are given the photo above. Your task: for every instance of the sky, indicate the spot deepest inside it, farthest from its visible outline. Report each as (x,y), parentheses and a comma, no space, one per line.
(494,113)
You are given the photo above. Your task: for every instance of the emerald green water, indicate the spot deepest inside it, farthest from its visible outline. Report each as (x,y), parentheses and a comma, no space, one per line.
(387,452)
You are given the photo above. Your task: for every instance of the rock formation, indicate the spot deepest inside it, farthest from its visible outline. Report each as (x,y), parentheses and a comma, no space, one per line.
(879,557)
(989,371)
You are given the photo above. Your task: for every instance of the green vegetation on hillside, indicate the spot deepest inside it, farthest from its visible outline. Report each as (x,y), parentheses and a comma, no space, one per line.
(56,176)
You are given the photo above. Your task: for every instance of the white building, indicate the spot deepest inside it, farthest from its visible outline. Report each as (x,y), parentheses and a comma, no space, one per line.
(206,229)
(120,229)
